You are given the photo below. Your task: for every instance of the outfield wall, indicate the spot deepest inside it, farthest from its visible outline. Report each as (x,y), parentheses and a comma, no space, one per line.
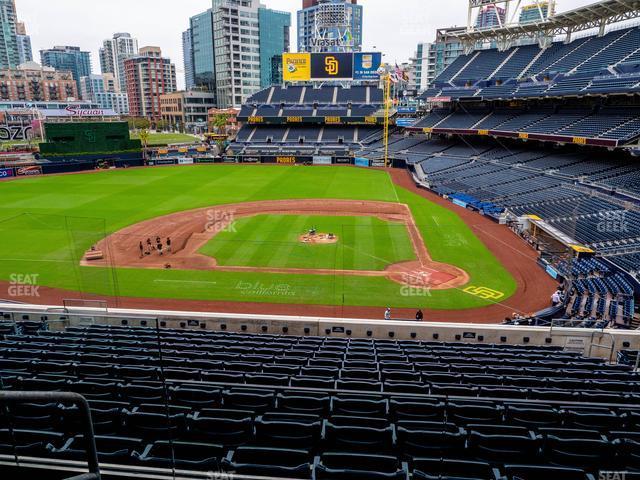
(595,343)
(90,162)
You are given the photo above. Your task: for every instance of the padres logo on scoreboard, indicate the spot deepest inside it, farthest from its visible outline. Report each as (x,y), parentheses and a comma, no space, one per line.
(335,66)
(331,66)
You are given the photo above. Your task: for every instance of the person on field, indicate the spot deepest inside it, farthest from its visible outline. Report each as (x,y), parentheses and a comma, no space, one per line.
(168,244)
(419,316)
(159,248)
(141,250)
(387,314)
(149,247)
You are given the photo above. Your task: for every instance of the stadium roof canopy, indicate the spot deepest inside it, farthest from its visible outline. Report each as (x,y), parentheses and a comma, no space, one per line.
(596,15)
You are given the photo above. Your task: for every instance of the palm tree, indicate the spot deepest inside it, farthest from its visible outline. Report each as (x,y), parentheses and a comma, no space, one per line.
(220,122)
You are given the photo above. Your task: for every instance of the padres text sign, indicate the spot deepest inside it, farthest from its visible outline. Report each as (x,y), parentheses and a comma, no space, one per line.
(296,67)
(332,66)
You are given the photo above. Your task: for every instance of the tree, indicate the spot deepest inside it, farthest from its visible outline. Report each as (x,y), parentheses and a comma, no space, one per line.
(220,122)
(137,123)
(161,125)
(144,137)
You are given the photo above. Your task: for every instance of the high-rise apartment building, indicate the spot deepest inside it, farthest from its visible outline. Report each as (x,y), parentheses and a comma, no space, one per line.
(234,49)
(70,59)
(431,58)
(9,55)
(247,37)
(113,54)
(23,41)
(274,41)
(491,16)
(148,76)
(187,56)
(103,90)
(536,12)
(202,51)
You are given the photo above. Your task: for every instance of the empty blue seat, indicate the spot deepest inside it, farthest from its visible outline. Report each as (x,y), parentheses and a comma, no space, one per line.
(221,431)
(347,466)
(182,455)
(269,462)
(438,468)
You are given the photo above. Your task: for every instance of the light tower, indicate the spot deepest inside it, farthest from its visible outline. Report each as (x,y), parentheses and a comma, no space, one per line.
(332,29)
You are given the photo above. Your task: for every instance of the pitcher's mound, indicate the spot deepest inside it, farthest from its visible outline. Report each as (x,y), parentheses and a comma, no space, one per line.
(318,238)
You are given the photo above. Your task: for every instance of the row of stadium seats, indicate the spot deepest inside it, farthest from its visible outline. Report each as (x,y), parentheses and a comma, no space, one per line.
(560,86)
(309,95)
(616,123)
(289,432)
(585,58)
(310,362)
(493,177)
(296,135)
(273,111)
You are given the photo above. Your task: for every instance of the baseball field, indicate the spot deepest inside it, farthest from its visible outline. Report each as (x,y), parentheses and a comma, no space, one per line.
(260,256)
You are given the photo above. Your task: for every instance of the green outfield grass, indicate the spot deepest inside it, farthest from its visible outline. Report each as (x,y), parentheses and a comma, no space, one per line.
(46,223)
(161,139)
(364,243)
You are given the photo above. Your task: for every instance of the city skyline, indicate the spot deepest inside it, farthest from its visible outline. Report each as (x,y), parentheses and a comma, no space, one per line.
(396,38)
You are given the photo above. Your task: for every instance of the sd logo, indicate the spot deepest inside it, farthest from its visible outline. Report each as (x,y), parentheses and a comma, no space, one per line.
(331,65)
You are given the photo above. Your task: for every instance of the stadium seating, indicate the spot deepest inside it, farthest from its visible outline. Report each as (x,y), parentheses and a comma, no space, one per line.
(616,123)
(587,65)
(291,120)
(378,408)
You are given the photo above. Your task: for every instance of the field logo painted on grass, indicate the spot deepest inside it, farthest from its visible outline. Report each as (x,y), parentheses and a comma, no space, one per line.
(260,289)
(220,221)
(23,285)
(416,284)
(484,292)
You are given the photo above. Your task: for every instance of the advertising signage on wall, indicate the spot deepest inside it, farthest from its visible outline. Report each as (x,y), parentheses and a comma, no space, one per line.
(322,160)
(6,173)
(304,67)
(296,67)
(344,160)
(366,66)
(29,171)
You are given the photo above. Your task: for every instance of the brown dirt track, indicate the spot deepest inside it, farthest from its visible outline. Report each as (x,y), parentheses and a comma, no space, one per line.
(534,286)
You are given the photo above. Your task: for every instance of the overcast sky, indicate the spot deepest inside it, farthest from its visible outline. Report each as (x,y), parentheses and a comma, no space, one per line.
(393,26)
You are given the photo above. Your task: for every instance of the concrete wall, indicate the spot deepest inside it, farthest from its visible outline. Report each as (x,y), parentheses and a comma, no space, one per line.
(596,343)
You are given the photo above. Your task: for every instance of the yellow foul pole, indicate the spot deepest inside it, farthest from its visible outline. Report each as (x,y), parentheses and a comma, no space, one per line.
(387,108)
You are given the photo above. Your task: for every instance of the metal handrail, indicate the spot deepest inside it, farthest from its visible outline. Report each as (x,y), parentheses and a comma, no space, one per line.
(83,405)
(603,334)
